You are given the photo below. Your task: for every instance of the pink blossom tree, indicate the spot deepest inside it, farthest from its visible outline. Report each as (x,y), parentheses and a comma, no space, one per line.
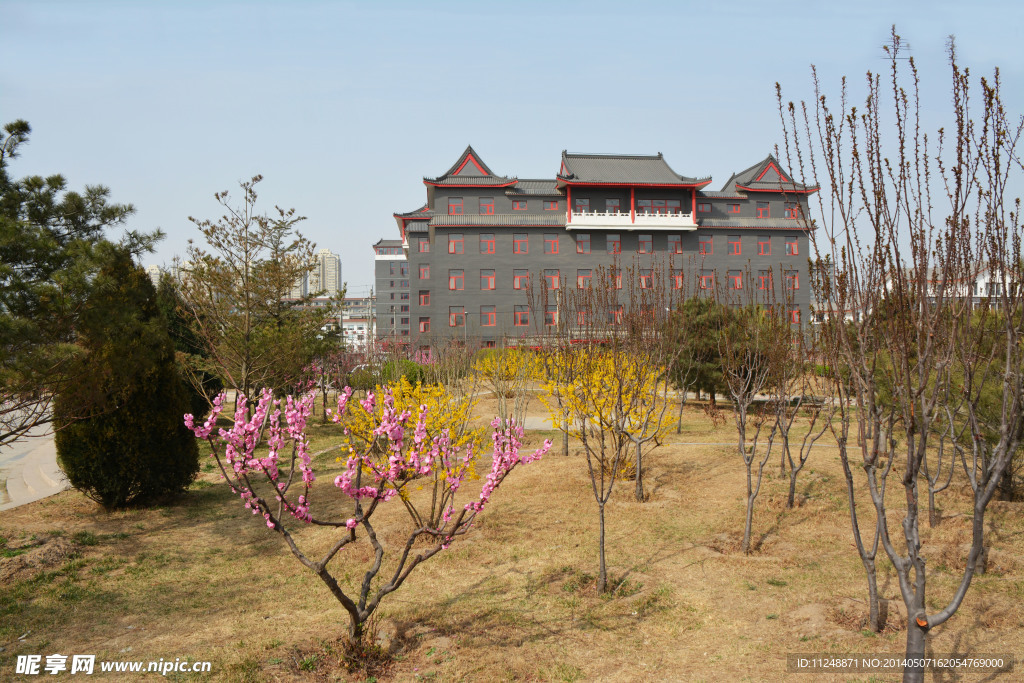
(276,484)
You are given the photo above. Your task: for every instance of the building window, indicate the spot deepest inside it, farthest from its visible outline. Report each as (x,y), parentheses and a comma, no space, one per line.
(456,316)
(733,248)
(520,243)
(550,244)
(424,245)
(733,208)
(404,269)
(675,244)
(455,206)
(519,205)
(583,276)
(703,207)
(550,205)
(707,279)
(764,280)
(520,279)
(794,314)
(487,279)
(735,279)
(486,206)
(392,270)
(424,272)
(487,243)
(615,315)
(405,321)
(646,278)
(644,244)
(764,245)
(583,243)
(611,205)
(614,244)
(677,278)
(582,205)
(551,278)
(792,280)
(405,296)
(522,316)
(790,210)
(456,279)
(488,316)
(659,206)
(616,274)
(424,297)
(791,246)
(456,245)
(581,317)
(763,210)
(705,247)
(551,315)
(488,343)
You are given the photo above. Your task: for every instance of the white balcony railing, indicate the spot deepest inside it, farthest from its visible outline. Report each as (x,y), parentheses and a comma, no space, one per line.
(623,221)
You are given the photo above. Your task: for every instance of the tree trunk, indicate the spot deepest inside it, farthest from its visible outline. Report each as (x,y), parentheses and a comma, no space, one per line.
(602,573)
(639,475)
(750,515)
(791,500)
(916,640)
(565,437)
(679,421)
(355,629)
(876,620)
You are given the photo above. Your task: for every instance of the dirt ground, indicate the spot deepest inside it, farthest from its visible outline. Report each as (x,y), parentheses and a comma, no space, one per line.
(515,600)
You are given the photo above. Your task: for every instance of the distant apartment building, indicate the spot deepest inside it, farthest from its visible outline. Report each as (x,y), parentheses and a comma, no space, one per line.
(472,250)
(324,280)
(357,323)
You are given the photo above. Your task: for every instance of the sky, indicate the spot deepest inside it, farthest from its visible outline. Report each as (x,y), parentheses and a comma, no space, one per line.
(344,107)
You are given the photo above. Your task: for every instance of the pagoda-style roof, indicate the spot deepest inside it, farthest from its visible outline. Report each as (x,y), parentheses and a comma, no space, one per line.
(535,188)
(424,213)
(469,170)
(622,169)
(767,175)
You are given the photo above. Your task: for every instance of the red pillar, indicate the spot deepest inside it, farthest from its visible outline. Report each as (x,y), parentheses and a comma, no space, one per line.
(632,204)
(568,201)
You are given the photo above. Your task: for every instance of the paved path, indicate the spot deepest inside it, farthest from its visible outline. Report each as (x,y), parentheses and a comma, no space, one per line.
(29,471)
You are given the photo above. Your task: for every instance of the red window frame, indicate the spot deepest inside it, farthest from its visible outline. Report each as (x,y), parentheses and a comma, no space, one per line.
(456,316)
(551,315)
(519,205)
(486,206)
(520,279)
(612,205)
(615,315)
(707,280)
(456,243)
(424,271)
(614,243)
(794,314)
(488,316)
(581,205)
(764,245)
(424,246)
(644,244)
(455,206)
(617,277)
(735,279)
(705,245)
(521,316)
(677,278)
(764,280)
(791,210)
(675,244)
(733,208)
(424,325)
(583,243)
(456,279)
(792,280)
(792,246)
(487,279)
(550,205)
(520,243)
(735,246)
(703,207)
(551,277)
(551,243)
(487,243)
(581,317)
(764,210)
(424,297)
(646,278)
(583,277)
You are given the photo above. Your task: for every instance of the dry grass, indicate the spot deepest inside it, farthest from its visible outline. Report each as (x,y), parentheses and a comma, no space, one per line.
(515,600)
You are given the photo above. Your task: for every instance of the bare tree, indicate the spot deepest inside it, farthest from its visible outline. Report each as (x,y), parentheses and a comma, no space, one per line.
(907,271)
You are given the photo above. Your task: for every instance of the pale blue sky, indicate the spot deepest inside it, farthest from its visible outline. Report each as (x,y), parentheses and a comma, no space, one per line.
(345,106)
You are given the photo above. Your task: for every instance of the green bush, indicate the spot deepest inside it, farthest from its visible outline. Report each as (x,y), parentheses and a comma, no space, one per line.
(120,437)
(394,370)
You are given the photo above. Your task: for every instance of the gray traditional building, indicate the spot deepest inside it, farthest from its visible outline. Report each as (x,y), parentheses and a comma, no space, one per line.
(470,251)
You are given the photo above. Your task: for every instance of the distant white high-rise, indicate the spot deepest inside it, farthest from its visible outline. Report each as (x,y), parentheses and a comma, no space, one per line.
(153,271)
(327,274)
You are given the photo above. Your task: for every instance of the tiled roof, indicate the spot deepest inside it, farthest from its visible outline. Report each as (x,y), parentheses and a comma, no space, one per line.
(470,180)
(754,223)
(469,169)
(714,194)
(639,169)
(541,188)
(766,175)
(388,243)
(418,226)
(555,219)
(422,212)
